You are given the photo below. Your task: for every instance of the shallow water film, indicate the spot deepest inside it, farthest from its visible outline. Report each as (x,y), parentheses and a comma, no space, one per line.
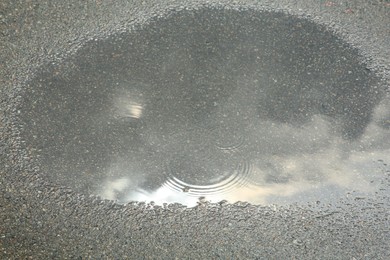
(211,104)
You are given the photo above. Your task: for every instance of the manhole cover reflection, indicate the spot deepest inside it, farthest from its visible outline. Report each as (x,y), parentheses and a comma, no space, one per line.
(225,105)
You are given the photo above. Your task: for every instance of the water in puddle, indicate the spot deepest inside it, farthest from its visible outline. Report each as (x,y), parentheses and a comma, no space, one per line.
(223,105)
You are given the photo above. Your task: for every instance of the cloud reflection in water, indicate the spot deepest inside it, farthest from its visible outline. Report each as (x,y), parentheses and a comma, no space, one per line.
(280,174)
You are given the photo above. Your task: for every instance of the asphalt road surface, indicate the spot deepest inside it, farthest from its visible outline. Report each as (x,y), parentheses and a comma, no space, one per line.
(42,218)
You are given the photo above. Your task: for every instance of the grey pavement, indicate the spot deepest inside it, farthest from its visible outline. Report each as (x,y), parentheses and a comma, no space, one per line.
(41,219)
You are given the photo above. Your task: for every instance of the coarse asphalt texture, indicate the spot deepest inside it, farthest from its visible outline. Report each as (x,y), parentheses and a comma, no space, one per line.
(43,220)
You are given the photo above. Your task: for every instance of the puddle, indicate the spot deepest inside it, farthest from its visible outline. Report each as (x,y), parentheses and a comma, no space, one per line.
(219,105)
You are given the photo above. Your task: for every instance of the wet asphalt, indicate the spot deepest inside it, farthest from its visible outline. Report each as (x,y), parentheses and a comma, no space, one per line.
(40,219)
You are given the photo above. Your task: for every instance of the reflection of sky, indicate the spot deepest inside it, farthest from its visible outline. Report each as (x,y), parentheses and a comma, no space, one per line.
(128,105)
(325,173)
(196,107)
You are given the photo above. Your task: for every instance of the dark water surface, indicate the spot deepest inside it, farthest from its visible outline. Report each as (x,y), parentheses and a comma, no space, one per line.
(226,105)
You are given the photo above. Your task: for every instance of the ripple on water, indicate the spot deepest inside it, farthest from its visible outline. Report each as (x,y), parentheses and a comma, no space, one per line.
(233,178)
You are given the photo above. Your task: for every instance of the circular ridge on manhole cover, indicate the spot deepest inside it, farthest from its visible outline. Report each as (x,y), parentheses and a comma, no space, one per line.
(238,105)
